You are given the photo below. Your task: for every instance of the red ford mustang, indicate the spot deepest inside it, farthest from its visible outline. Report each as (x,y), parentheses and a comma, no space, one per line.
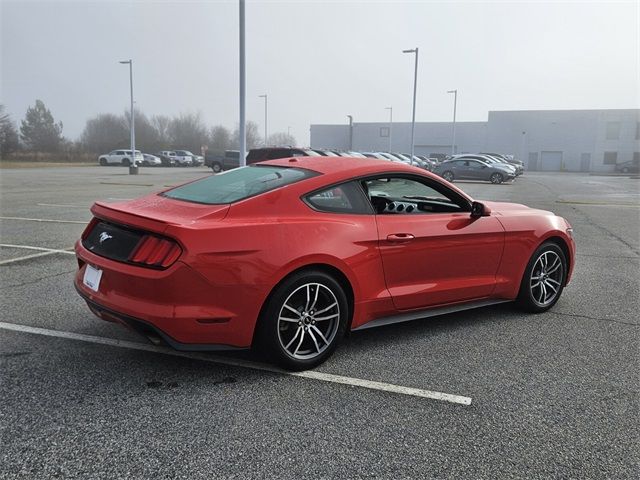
(289,254)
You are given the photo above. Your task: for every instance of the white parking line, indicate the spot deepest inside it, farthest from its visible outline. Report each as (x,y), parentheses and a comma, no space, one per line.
(44,220)
(26,257)
(314,375)
(43,252)
(41,249)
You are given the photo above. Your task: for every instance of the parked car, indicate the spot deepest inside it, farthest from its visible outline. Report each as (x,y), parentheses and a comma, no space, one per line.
(198,160)
(184,158)
(473,169)
(379,156)
(167,157)
(268,153)
(120,157)
(431,163)
(178,160)
(492,160)
(293,285)
(517,164)
(438,157)
(150,160)
(231,158)
(218,163)
(508,158)
(632,166)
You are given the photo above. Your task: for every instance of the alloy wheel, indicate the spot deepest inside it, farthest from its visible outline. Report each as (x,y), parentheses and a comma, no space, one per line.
(546,278)
(308,321)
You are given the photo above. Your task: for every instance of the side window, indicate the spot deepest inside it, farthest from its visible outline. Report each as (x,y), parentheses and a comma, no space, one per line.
(345,198)
(120,152)
(399,194)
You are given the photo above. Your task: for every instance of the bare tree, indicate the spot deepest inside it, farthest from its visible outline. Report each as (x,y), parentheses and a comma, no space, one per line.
(281,139)
(105,132)
(161,124)
(188,131)
(9,141)
(220,139)
(147,138)
(253,136)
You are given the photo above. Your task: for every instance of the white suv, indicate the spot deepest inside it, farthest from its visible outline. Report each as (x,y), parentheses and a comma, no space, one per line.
(120,157)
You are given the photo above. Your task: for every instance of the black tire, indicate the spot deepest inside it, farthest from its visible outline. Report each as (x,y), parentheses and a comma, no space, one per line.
(216,167)
(448,176)
(273,333)
(496,178)
(530,295)
(126,162)
(103,162)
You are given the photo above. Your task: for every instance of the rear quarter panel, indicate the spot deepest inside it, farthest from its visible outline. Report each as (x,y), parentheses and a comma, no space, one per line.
(259,243)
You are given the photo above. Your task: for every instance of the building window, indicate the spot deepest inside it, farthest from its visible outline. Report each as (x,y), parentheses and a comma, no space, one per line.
(613,130)
(638,131)
(384,131)
(610,158)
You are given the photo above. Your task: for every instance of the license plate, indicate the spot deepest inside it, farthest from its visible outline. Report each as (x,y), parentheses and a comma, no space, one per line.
(92,277)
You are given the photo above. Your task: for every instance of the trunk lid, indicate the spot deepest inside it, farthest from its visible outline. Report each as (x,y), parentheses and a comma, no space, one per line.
(155,212)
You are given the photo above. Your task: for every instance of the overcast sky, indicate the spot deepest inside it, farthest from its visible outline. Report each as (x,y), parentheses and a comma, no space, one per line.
(318,61)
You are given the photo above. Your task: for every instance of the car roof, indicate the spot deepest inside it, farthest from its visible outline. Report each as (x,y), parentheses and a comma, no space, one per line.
(338,169)
(335,170)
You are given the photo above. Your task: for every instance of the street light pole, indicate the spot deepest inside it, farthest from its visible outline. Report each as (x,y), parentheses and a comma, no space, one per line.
(390,125)
(455,103)
(265,117)
(350,132)
(133,167)
(415,85)
(242,129)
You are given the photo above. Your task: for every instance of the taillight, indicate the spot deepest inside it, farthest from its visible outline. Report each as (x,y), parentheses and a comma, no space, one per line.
(155,252)
(89,227)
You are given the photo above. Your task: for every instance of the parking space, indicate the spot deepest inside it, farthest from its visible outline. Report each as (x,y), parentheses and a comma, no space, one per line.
(552,395)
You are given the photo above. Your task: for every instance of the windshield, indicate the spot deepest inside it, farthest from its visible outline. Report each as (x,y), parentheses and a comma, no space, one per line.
(238,184)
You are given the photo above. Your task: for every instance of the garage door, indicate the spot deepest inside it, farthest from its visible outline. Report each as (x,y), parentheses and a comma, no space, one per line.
(551,161)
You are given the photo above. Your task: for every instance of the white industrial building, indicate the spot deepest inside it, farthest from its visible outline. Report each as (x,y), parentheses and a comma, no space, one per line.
(550,140)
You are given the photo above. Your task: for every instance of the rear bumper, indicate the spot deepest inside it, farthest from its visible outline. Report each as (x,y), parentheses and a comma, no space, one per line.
(178,304)
(148,330)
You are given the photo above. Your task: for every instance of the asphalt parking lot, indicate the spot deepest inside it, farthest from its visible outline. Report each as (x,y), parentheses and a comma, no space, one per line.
(552,395)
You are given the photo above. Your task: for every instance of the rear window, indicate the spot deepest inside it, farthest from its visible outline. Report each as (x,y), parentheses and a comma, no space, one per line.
(238,184)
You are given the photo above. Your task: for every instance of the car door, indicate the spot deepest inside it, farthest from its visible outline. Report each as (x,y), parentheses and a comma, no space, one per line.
(120,154)
(476,170)
(434,253)
(456,167)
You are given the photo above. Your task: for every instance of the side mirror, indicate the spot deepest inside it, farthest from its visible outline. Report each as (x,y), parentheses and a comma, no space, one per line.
(479,209)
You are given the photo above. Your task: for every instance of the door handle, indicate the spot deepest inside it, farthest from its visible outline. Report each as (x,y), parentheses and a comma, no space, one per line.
(400,237)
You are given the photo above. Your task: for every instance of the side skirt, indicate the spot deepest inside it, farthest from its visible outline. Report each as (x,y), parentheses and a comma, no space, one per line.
(431,312)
